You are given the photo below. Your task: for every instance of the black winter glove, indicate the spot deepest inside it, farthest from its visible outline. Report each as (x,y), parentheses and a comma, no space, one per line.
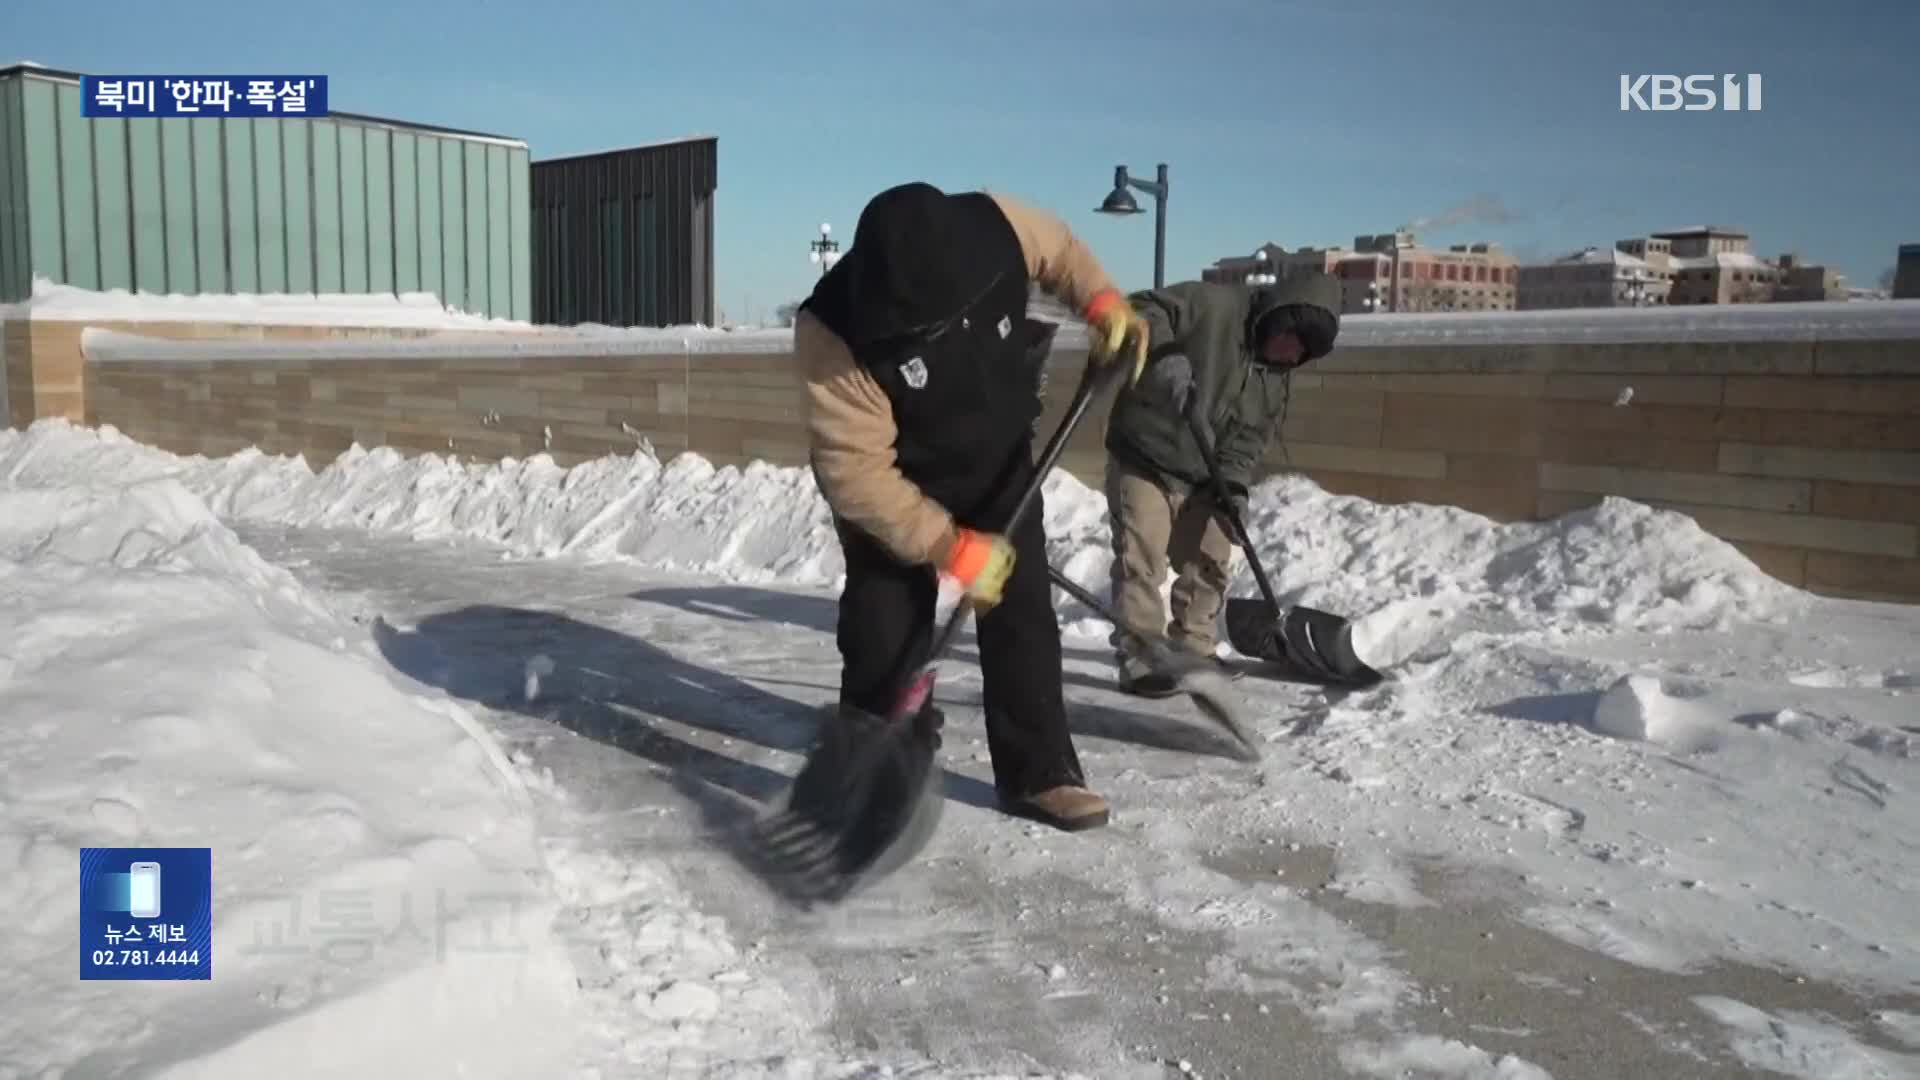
(1236,501)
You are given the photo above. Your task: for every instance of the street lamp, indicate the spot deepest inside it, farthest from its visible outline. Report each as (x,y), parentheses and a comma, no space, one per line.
(1120,201)
(1264,275)
(1636,290)
(826,250)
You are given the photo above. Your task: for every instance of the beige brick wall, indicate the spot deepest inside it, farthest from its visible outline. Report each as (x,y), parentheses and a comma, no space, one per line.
(1806,455)
(45,366)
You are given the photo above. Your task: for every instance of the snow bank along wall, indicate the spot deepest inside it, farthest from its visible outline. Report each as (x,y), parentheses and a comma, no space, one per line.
(1791,430)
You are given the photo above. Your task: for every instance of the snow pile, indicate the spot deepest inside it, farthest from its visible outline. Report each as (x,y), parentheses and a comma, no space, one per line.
(759,523)
(1431,1055)
(1643,708)
(1794,1044)
(1618,564)
(365,845)
(155,525)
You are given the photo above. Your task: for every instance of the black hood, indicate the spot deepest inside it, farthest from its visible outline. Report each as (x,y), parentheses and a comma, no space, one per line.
(919,258)
(1307,304)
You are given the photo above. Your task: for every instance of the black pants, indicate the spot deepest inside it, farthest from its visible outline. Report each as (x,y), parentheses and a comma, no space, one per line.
(886,628)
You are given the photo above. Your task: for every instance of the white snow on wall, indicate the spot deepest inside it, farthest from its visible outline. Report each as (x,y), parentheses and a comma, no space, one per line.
(1801,321)
(52,301)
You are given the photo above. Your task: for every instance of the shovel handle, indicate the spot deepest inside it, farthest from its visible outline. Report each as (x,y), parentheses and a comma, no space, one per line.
(1222,501)
(1094,378)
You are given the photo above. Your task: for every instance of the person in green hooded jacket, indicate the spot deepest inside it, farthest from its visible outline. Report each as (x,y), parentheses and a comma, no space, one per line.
(1227,351)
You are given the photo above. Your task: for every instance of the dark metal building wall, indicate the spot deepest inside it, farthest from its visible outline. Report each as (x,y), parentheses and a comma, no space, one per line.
(625,238)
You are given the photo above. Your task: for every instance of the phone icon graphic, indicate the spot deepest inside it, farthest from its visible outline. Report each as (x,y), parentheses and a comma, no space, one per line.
(143,890)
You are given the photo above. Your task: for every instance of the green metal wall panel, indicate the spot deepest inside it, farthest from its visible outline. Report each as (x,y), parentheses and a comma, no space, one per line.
(429,199)
(22,218)
(114,201)
(521,224)
(380,224)
(213,204)
(406,212)
(243,222)
(270,203)
(77,233)
(353,207)
(14,274)
(327,245)
(176,186)
(209,196)
(499,235)
(296,178)
(46,244)
(475,162)
(453,232)
(146,181)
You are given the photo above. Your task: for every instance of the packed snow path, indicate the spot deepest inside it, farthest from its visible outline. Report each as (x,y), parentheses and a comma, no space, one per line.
(1206,927)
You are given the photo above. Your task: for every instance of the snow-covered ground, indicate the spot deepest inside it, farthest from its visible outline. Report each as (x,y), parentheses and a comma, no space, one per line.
(1657,770)
(390,898)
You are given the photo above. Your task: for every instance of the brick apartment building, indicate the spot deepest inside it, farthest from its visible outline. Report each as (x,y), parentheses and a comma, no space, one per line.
(1390,272)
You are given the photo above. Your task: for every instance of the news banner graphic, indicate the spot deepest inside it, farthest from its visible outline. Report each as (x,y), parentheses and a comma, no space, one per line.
(146,913)
(203,95)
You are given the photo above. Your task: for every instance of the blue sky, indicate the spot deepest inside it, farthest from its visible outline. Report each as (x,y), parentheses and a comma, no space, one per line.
(1293,122)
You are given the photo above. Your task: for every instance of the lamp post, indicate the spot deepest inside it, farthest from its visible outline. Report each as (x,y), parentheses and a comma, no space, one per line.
(1263,274)
(1120,201)
(826,250)
(1636,289)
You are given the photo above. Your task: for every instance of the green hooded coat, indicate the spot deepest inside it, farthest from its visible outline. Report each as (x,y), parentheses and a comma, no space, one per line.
(1212,324)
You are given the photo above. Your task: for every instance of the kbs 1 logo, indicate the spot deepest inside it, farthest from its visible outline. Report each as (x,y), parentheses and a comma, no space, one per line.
(1693,93)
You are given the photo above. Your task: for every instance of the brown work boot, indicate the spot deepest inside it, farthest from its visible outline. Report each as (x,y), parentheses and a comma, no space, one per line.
(1068,807)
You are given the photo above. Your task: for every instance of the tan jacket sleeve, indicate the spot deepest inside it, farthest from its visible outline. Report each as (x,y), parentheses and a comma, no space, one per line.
(851,431)
(1057,260)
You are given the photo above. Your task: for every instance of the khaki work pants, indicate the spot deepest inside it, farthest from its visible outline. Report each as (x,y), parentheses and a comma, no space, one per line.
(1153,526)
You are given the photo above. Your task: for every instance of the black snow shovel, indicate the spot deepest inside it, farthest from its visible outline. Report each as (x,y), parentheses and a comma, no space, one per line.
(1196,676)
(1319,644)
(869,797)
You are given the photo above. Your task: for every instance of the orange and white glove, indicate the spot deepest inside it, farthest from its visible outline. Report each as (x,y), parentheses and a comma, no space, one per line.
(980,563)
(1109,320)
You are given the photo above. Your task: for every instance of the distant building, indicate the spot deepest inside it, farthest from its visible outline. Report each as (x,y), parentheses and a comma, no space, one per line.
(1906,273)
(342,203)
(1802,283)
(1393,272)
(1595,277)
(1390,272)
(1713,264)
(625,237)
(1702,240)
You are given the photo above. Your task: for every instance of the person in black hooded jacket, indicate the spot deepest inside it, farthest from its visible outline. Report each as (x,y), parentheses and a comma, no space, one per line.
(922,392)
(1227,350)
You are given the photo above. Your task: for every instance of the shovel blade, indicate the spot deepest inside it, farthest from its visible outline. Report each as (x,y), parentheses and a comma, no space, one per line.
(1325,641)
(866,802)
(1210,693)
(1315,643)
(1253,626)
